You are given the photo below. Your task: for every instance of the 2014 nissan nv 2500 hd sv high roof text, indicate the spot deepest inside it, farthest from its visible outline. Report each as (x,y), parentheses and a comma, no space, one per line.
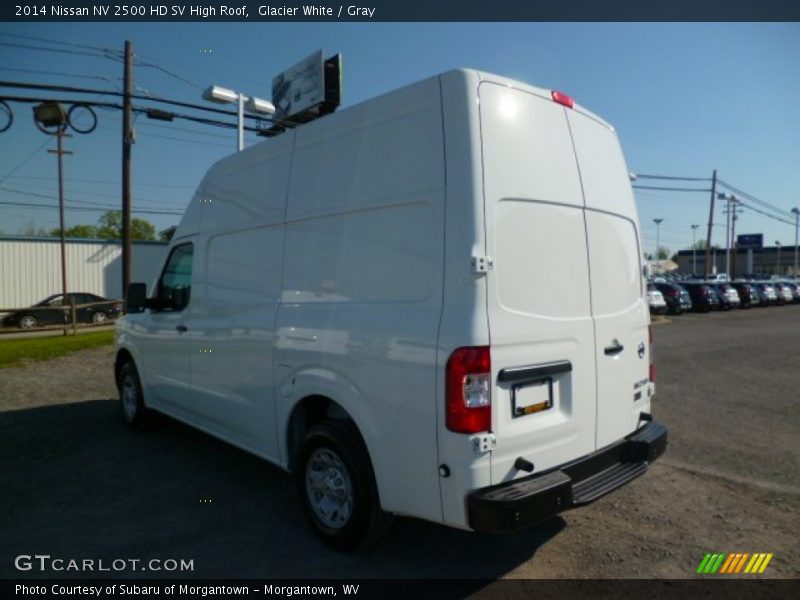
(429,304)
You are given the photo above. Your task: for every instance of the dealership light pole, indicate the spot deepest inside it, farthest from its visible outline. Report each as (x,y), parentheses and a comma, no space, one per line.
(694,248)
(658,238)
(222,95)
(796,212)
(778,259)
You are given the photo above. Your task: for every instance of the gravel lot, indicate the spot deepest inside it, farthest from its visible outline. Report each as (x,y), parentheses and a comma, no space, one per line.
(77,483)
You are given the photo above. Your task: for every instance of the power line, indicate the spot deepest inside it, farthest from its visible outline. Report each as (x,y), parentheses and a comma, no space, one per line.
(99,209)
(104,181)
(672,178)
(59,50)
(79,193)
(60,42)
(55,73)
(110,105)
(670,189)
(763,203)
(170,73)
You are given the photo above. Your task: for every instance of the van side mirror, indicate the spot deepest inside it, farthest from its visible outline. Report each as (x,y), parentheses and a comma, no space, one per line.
(135,298)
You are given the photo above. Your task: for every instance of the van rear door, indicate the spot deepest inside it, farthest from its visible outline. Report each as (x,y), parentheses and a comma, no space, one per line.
(540,323)
(619,307)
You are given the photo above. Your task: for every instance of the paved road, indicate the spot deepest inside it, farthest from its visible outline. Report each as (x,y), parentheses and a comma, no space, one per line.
(77,484)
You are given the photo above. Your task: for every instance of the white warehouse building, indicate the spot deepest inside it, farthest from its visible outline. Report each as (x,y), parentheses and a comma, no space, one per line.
(30,267)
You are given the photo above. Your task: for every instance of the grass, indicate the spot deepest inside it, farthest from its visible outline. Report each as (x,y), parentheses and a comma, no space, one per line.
(14,352)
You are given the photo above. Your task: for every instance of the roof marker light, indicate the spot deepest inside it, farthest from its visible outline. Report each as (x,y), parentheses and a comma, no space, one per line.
(562,98)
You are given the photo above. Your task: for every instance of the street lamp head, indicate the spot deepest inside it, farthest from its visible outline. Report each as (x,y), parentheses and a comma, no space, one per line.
(220,95)
(49,114)
(259,105)
(796,211)
(695,226)
(657,221)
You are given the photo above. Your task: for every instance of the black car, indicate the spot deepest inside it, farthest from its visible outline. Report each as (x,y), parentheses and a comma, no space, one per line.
(100,311)
(703,296)
(748,294)
(676,297)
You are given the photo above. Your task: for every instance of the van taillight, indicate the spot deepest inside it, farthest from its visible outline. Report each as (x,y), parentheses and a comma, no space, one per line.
(562,98)
(650,342)
(468,383)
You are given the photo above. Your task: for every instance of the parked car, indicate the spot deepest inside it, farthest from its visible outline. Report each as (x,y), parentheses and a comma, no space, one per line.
(676,297)
(769,297)
(47,313)
(704,298)
(784,292)
(655,300)
(748,294)
(727,294)
(795,287)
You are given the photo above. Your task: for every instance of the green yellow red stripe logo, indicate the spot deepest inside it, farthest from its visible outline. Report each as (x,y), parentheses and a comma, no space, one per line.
(734,562)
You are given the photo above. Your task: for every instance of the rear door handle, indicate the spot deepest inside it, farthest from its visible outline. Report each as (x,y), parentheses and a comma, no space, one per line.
(181,328)
(614,349)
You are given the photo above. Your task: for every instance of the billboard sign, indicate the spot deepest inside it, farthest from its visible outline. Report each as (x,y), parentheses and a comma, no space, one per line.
(300,88)
(750,240)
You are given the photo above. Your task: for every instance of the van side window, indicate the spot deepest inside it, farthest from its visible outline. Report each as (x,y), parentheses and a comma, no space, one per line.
(175,285)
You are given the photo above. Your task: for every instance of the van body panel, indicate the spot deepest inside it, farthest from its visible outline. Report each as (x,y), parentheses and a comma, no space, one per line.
(339,259)
(539,310)
(361,290)
(464,318)
(619,304)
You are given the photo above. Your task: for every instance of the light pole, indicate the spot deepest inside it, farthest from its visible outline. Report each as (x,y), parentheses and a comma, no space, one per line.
(51,114)
(796,212)
(658,239)
(222,95)
(778,259)
(694,248)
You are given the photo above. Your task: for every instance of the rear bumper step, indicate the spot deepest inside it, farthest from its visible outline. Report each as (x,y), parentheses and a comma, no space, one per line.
(526,501)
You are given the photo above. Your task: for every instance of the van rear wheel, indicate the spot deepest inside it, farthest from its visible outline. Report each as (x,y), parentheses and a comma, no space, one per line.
(337,486)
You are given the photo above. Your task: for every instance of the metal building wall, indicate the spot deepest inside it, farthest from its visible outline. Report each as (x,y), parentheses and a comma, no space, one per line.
(30,268)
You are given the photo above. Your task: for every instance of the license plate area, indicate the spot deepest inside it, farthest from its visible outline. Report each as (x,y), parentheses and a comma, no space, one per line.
(531,397)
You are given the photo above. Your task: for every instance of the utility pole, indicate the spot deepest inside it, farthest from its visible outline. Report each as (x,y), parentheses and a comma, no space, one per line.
(127,142)
(796,212)
(710,222)
(728,235)
(732,274)
(60,134)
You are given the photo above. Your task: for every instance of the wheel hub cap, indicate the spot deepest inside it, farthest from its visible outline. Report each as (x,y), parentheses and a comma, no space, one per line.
(329,489)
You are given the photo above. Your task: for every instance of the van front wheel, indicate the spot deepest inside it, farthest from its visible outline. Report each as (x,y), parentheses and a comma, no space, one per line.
(130,396)
(337,486)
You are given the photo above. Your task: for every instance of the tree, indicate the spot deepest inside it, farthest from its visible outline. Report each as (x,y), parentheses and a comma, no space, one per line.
(663,253)
(110,227)
(77,231)
(701,245)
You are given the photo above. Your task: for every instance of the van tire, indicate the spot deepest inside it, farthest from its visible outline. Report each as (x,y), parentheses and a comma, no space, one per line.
(131,399)
(338,447)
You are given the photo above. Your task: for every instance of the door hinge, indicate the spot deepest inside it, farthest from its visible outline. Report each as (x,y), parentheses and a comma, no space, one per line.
(485,442)
(482,264)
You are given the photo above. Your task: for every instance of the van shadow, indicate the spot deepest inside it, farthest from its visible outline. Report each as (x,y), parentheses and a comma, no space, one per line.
(79,484)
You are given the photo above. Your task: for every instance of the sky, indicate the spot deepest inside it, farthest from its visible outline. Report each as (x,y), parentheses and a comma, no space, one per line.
(685,99)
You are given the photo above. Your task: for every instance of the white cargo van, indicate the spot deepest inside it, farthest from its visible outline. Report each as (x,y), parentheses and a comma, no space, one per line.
(429,304)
